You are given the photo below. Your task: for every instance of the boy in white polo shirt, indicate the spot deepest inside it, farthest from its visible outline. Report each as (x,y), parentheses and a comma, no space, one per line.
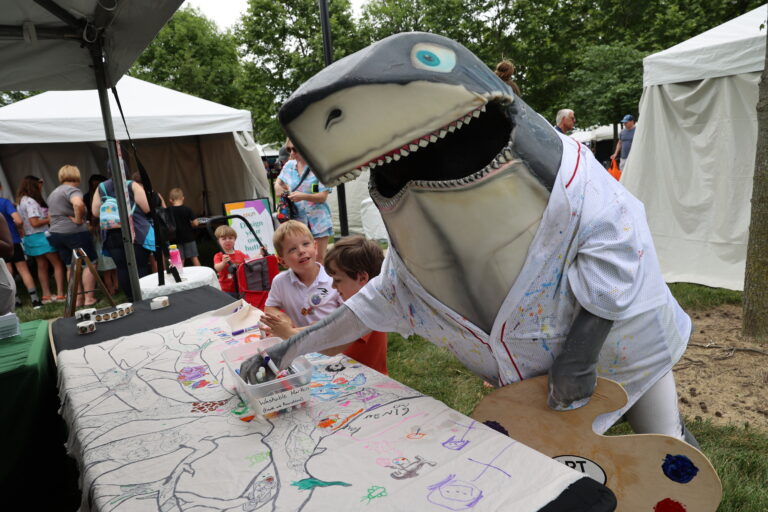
(304,291)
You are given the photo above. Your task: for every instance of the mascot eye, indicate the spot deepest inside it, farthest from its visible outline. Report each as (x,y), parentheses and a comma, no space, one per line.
(433,57)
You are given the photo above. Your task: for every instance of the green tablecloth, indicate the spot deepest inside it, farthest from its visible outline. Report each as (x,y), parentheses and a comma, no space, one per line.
(29,403)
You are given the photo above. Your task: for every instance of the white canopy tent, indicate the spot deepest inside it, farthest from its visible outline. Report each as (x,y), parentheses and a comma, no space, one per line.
(80,44)
(693,155)
(362,215)
(596,134)
(183,141)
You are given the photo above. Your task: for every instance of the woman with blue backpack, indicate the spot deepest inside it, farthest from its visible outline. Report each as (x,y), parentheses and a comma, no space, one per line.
(105,209)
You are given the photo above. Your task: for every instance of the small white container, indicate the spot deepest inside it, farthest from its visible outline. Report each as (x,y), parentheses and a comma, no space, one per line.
(274,395)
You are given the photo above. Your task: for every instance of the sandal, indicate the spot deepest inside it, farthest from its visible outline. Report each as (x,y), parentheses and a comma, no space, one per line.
(90,304)
(59,298)
(46,299)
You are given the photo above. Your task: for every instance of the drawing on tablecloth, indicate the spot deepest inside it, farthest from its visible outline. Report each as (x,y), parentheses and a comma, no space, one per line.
(154,419)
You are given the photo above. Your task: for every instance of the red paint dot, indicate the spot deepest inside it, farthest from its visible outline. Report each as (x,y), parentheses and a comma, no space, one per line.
(668,505)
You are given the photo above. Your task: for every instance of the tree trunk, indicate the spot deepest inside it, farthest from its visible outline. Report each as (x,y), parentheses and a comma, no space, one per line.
(756,275)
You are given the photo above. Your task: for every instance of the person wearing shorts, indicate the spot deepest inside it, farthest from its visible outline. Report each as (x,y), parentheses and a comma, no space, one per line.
(18,260)
(68,231)
(34,214)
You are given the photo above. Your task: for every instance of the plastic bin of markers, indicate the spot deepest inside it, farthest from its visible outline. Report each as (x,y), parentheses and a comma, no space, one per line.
(271,396)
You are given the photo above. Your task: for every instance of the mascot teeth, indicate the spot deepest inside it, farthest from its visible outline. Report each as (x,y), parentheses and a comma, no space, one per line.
(416,144)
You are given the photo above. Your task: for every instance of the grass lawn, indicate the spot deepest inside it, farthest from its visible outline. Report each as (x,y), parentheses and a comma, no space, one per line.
(738,453)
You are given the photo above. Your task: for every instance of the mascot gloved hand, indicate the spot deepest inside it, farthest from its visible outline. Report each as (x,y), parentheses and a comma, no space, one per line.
(338,328)
(573,375)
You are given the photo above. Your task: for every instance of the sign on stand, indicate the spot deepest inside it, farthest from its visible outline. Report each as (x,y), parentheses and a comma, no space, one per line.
(259,215)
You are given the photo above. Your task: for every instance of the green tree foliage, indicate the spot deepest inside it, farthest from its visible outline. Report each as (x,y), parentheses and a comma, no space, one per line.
(552,41)
(282,46)
(460,20)
(8,97)
(190,55)
(604,93)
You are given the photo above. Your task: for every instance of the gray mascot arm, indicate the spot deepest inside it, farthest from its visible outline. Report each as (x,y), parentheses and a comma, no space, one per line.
(340,327)
(573,375)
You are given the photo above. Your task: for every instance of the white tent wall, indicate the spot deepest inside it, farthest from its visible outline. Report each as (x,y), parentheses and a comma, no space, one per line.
(691,164)
(363,218)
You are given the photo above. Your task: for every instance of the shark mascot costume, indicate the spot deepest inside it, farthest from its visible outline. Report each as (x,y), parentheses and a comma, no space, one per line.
(510,244)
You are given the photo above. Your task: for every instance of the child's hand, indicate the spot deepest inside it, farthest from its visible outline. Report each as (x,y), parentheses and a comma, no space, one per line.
(225,258)
(279,324)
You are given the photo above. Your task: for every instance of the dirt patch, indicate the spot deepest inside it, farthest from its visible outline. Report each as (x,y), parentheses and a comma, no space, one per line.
(723,376)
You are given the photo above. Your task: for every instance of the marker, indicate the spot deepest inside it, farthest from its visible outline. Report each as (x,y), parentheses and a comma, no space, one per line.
(261,374)
(246,329)
(268,362)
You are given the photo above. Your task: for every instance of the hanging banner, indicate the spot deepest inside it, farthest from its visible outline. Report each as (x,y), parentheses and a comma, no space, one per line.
(259,215)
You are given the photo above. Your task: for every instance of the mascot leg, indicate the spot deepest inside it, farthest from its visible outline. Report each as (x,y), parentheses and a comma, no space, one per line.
(656,412)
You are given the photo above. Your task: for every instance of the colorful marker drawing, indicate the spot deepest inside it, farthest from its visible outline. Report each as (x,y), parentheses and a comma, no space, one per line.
(374,492)
(457,444)
(455,494)
(310,483)
(148,437)
(404,468)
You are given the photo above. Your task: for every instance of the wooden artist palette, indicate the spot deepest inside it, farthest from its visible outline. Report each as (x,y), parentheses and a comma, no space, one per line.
(646,472)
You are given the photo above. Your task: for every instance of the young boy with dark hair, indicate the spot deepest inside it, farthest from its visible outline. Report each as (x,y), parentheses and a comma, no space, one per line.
(185,221)
(351,263)
(226,261)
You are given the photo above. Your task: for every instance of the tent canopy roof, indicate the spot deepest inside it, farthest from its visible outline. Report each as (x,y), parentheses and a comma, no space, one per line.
(39,51)
(150,110)
(737,46)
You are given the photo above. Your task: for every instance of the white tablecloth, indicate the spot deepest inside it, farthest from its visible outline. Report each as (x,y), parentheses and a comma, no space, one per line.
(191,277)
(155,425)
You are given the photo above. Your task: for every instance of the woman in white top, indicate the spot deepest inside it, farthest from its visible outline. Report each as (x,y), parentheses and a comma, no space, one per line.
(34,213)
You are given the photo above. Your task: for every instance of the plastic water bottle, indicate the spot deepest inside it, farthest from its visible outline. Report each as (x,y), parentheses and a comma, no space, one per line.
(175,255)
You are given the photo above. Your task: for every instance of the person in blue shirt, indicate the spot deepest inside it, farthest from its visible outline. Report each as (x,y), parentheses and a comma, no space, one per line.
(310,197)
(625,140)
(18,260)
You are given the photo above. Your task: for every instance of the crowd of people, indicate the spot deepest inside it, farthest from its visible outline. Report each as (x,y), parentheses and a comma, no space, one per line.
(48,229)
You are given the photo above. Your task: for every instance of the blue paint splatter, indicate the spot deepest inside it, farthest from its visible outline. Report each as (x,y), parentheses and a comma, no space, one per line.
(679,468)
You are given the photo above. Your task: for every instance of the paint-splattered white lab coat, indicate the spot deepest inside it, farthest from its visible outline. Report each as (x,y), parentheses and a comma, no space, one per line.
(593,248)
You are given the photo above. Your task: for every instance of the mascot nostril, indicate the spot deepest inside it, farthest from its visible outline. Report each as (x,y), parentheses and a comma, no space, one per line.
(509,243)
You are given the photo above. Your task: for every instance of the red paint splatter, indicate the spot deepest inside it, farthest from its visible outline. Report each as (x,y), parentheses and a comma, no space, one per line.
(668,505)
(247,418)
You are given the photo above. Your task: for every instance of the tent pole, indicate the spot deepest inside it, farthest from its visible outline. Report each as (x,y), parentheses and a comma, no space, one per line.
(206,206)
(117,175)
(325,25)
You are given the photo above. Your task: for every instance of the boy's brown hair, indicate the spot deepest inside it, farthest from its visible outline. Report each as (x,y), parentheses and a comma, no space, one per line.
(354,255)
(176,194)
(291,227)
(223,231)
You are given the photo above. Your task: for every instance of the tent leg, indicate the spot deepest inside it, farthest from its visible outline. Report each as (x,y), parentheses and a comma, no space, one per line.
(117,171)
(206,206)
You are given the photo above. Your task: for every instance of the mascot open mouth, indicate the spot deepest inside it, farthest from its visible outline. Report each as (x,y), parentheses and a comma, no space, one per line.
(418,111)
(456,154)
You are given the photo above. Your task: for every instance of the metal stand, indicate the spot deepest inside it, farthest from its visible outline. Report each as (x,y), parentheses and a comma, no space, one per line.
(75,278)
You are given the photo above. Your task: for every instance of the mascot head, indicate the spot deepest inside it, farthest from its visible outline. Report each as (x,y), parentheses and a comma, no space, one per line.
(414,107)
(448,146)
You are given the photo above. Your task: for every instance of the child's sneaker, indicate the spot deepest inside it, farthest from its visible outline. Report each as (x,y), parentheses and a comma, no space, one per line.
(36,304)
